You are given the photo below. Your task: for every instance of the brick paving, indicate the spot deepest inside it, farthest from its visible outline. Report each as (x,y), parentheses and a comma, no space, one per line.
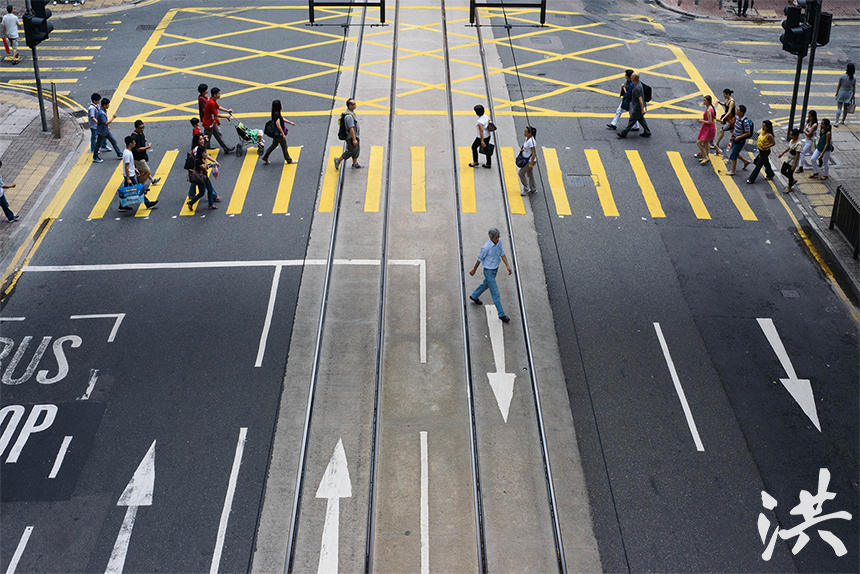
(760,9)
(69,7)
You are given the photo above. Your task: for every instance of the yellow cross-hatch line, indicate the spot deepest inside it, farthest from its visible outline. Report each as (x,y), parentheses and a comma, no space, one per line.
(512,182)
(468,200)
(329,186)
(163,171)
(601,183)
(288,177)
(556,181)
(648,192)
(688,186)
(243,184)
(374,179)
(419,191)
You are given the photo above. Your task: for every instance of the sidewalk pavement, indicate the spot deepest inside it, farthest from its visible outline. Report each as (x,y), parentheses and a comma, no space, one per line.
(759,9)
(36,163)
(66,8)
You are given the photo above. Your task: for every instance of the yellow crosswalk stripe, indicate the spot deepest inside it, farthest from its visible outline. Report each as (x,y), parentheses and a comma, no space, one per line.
(687,184)
(288,177)
(512,181)
(601,183)
(374,179)
(163,171)
(651,199)
(108,194)
(330,180)
(467,182)
(419,192)
(556,181)
(240,192)
(732,188)
(185,210)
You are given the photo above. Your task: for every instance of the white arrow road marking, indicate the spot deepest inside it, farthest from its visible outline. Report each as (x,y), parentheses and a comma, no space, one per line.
(118,317)
(501,382)
(228,500)
(22,544)
(425,508)
(138,492)
(679,389)
(800,389)
(334,485)
(94,376)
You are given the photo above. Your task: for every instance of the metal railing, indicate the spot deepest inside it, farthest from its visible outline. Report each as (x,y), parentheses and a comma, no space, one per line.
(846,217)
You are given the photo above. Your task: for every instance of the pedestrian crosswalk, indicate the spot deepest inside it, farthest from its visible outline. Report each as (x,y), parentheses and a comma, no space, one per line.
(567,193)
(776,87)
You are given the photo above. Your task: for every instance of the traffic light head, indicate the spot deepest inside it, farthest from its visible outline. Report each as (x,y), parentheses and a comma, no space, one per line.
(792,17)
(796,40)
(36,25)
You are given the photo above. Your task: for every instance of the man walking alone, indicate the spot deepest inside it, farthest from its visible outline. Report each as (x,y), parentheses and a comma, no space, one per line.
(637,109)
(492,253)
(350,126)
(9,28)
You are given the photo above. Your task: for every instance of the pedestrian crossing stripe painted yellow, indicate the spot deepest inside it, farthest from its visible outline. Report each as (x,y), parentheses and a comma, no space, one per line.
(651,199)
(733,190)
(285,187)
(419,191)
(108,194)
(374,179)
(163,171)
(330,180)
(556,181)
(688,186)
(185,210)
(240,191)
(467,182)
(512,182)
(601,183)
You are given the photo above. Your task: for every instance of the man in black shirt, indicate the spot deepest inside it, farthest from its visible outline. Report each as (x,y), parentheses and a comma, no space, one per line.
(140,155)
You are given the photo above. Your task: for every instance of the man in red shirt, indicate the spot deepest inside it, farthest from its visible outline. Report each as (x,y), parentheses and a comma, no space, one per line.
(202,98)
(211,118)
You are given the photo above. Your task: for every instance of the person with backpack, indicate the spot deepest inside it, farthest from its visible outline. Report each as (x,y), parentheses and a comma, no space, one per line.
(277,130)
(624,105)
(93,122)
(348,131)
(639,96)
(743,130)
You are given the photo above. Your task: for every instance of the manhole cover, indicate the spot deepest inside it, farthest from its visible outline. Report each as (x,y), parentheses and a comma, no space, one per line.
(790,294)
(146,27)
(540,40)
(577,180)
(173,58)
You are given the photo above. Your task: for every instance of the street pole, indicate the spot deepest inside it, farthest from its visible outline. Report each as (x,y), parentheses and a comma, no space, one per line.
(794,95)
(38,79)
(815,6)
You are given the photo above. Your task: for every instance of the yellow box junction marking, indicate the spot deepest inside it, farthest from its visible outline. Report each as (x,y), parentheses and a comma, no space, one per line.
(329,186)
(601,183)
(651,199)
(29,177)
(512,181)
(556,181)
(374,179)
(154,190)
(108,194)
(243,184)
(469,203)
(185,210)
(419,191)
(285,187)
(688,186)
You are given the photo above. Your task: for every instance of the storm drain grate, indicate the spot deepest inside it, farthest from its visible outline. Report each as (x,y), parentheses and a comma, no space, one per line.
(146,27)
(577,180)
(540,40)
(790,294)
(173,58)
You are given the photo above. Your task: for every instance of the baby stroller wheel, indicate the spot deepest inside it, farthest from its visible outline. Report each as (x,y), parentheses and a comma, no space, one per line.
(260,150)
(239,150)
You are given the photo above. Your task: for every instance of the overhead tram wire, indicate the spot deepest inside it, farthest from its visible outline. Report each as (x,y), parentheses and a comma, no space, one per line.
(300,476)
(380,326)
(508,27)
(541,428)
(467,350)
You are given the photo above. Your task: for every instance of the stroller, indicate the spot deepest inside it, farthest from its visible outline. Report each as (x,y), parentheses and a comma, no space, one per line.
(248,137)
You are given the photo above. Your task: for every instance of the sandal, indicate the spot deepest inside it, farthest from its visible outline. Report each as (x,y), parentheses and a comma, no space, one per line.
(823,177)
(813,176)
(699,155)
(705,162)
(730,173)
(474,164)
(190,205)
(213,206)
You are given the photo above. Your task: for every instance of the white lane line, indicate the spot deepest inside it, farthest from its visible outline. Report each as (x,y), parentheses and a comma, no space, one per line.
(22,544)
(690,422)
(94,376)
(58,462)
(12,319)
(261,350)
(118,317)
(425,508)
(228,501)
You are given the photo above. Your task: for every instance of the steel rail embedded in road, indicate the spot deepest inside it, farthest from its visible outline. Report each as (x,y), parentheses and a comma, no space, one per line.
(300,475)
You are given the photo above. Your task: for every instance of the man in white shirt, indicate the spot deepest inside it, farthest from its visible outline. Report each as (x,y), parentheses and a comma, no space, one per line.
(483,140)
(9,28)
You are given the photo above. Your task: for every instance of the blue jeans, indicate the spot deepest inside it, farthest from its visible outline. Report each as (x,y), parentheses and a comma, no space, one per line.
(4,203)
(93,137)
(100,140)
(489,282)
(200,191)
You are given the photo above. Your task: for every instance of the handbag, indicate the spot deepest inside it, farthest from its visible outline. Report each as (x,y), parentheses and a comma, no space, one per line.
(851,106)
(131,195)
(491,127)
(488,150)
(521,160)
(197,178)
(625,105)
(189,162)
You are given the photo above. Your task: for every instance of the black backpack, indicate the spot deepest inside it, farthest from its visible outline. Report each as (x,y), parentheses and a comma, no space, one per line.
(342,131)
(271,129)
(646,91)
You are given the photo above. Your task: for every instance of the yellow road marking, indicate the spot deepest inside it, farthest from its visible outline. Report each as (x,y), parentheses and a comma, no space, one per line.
(240,192)
(645,184)
(139,62)
(44,81)
(374,179)
(419,192)
(185,210)
(330,180)
(601,183)
(790,83)
(108,194)
(469,203)
(816,94)
(815,73)
(788,107)
(733,190)
(556,181)
(746,43)
(65,58)
(512,181)
(163,171)
(688,186)
(288,177)
(70,48)
(21,69)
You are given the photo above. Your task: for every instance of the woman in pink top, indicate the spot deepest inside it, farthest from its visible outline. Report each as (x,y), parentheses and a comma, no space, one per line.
(707,132)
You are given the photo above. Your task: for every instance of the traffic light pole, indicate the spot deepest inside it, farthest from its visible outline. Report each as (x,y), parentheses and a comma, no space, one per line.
(38,78)
(794,96)
(816,8)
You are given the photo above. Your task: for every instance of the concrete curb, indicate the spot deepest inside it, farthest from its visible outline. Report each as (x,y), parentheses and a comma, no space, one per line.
(666,6)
